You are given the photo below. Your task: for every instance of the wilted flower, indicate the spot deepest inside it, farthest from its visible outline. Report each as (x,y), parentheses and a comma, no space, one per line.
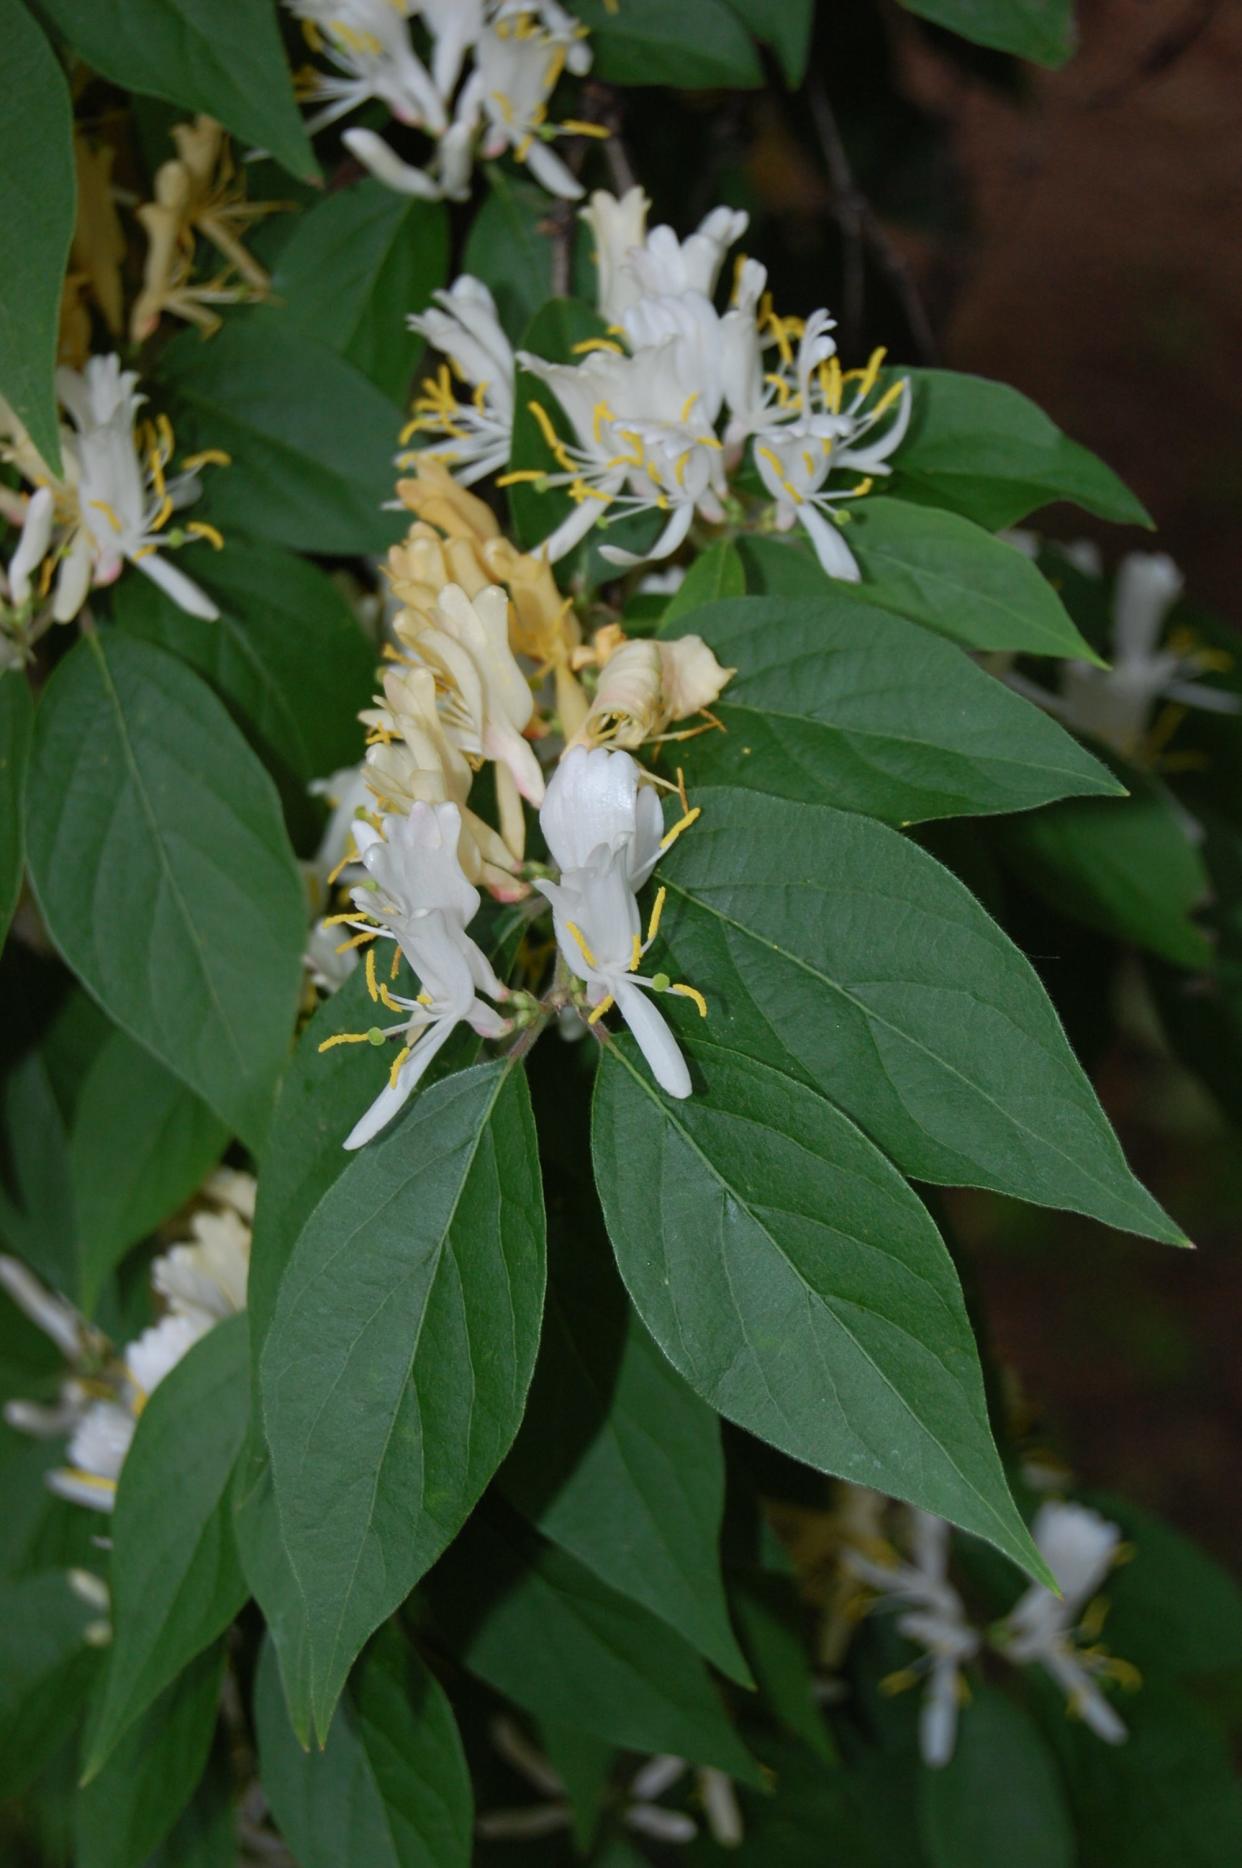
(606,832)
(644,686)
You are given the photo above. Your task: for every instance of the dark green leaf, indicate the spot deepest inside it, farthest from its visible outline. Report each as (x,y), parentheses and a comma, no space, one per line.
(540,1628)
(1000,1798)
(698,45)
(941,570)
(838,703)
(716,574)
(833,948)
(45,1669)
(770,1620)
(125,1812)
(38,195)
(163,871)
(354,268)
(390,1788)
(786,27)
(223,57)
(38,1217)
(175,1577)
(1125,867)
(202,1836)
(797,1283)
(509,250)
(140,1144)
(311,440)
(1042,30)
(16,728)
(1171,1607)
(413,1299)
(618,1462)
(984,450)
(285,654)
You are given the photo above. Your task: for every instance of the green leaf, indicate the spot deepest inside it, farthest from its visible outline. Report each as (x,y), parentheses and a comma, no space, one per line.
(1124,867)
(202,1836)
(716,574)
(507,249)
(390,1788)
(413,1299)
(311,440)
(353,269)
(838,703)
(127,1811)
(139,1145)
(46,1667)
(797,1283)
(38,199)
(1171,1607)
(1042,30)
(986,451)
(770,1620)
(16,730)
(38,1219)
(1000,1798)
(785,27)
(285,655)
(223,57)
(163,871)
(834,949)
(617,1461)
(175,1578)
(541,1629)
(941,570)
(697,46)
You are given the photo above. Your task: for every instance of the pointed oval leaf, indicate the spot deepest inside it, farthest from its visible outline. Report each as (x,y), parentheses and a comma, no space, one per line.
(390,1788)
(46,1667)
(1000,1797)
(16,731)
(838,703)
(396,1367)
(938,569)
(697,46)
(164,873)
(833,948)
(788,1272)
(175,1577)
(1042,30)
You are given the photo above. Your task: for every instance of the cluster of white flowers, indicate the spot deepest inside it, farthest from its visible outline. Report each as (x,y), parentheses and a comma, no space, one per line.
(663,409)
(1116,704)
(200,1282)
(473,76)
(112,503)
(1057,1633)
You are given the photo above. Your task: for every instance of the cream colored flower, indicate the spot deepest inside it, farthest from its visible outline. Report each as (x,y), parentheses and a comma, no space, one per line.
(645,686)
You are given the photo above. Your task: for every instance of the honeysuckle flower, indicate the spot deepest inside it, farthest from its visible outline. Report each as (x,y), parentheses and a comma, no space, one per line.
(1080,1548)
(641,1810)
(605,830)
(346,793)
(369,46)
(204,1280)
(519,58)
(424,562)
(418,898)
(433,495)
(60,1322)
(116,496)
(929,1612)
(476,434)
(644,686)
(830,426)
(632,263)
(199,191)
(101,1440)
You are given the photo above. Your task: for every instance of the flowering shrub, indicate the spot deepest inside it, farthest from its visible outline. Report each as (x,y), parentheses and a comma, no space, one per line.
(493,990)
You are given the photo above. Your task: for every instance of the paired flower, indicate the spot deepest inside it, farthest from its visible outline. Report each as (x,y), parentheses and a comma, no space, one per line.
(115,499)
(484,87)
(417,897)
(201,1282)
(605,830)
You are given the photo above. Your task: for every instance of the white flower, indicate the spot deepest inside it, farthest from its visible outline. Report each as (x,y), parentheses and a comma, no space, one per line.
(931,1613)
(418,897)
(33,545)
(463,327)
(368,43)
(632,264)
(204,1280)
(605,831)
(519,58)
(1079,1547)
(115,499)
(54,1315)
(101,1440)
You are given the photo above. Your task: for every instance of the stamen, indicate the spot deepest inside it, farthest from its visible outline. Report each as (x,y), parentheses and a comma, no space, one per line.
(574,126)
(207,457)
(670,837)
(348,1037)
(359,940)
(605,1005)
(372,983)
(522,476)
(351,856)
(696,998)
(200,529)
(589,344)
(657,909)
(550,435)
(636,953)
(397,1062)
(580,939)
(109,513)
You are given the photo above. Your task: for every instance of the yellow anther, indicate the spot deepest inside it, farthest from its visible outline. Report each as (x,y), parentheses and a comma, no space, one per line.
(504,104)
(605,1005)
(893,393)
(157,471)
(346,1037)
(372,982)
(580,941)
(350,856)
(830,383)
(359,940)
(899,1682)
(636,953)
(522,476)
(207,457)
(683,823)
(164,514)
(550,435)
(200,529)
(346,919)
(695,997)
(109,513)
(782,477)
(424,998)
(657,909)
(386,997)
(600,414)
(479,397)
(395,968)
(687,405)
(864,487)
(574,126)
(164,429)
(144,551)
(874,361)
(397,1062)
(589,344)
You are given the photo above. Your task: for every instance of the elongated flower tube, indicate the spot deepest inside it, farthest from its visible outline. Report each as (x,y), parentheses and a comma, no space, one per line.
(419,899)
(605,829)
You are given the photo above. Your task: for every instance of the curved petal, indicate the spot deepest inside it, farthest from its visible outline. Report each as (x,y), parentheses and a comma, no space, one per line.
(654,1039)
(394,1096)
(185,593)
